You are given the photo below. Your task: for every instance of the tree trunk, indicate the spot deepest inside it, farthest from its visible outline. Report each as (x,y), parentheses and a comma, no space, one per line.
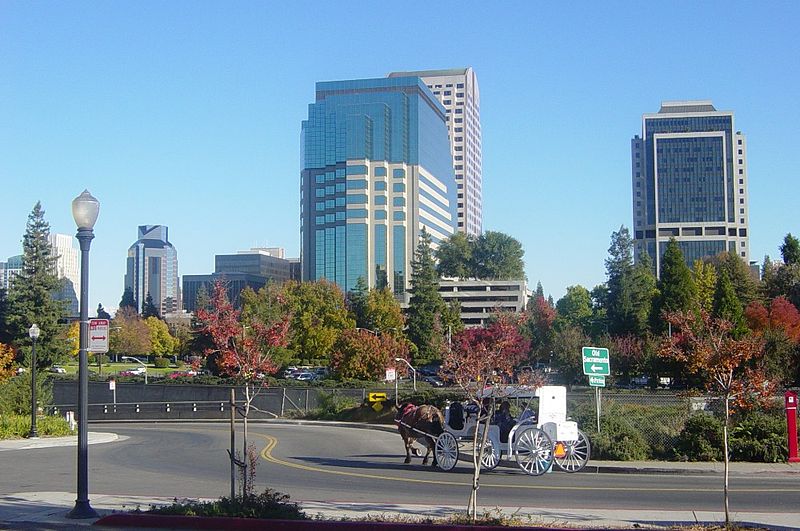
(245,462)
(477,454)
(726,457)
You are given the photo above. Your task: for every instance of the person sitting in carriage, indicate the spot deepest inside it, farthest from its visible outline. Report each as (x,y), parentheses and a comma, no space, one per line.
(502,417)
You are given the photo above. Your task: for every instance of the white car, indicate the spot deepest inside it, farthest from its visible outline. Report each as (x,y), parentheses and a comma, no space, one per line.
(58,370)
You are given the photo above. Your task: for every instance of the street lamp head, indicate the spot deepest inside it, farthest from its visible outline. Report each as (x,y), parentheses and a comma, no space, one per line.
(85,209)
(34,331)
(398,359)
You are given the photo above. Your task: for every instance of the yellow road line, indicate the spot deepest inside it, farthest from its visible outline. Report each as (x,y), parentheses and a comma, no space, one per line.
(272,443)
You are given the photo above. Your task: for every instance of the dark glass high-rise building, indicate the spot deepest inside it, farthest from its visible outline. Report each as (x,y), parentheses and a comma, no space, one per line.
(689,173)
(152,269)
(377,169)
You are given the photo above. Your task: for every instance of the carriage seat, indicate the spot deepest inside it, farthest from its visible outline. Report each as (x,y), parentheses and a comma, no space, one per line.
(456,417)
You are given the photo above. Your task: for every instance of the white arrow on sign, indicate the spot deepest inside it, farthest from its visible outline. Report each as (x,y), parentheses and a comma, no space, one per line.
(596,368)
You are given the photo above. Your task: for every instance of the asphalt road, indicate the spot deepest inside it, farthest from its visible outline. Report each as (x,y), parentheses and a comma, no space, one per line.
(338,464)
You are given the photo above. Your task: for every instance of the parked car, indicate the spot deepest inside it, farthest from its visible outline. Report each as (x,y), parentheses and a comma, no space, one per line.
(305,376)
(435,381)
(135,371)
(290,372)
(57,370)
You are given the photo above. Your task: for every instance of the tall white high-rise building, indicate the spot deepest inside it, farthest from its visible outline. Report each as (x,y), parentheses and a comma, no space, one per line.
(67,269)
(457,89)
(689,171)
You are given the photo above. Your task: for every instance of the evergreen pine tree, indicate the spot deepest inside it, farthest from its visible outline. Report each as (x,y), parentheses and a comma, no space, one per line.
(425,328)
(539,290)
(5,337)
(643,294)
(744,285)
(30,298)
(790,250)
(727,305)
(128,300)
(619,268)
(149,309)
(357,302)
(677,291)
(102,313)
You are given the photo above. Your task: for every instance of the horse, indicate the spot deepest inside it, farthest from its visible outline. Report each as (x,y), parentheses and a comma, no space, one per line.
(414,422)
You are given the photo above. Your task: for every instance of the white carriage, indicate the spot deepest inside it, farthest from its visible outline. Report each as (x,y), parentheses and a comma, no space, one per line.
(535,441)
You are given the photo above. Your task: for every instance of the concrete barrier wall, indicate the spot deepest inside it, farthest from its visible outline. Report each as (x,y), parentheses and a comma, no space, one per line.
(186,401)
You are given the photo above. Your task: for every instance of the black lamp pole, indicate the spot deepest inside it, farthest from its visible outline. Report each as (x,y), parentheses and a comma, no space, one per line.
(33,332)
(84,209)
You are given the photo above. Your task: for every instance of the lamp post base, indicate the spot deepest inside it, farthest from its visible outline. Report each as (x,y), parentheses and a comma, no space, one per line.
(33,435)
(82,510)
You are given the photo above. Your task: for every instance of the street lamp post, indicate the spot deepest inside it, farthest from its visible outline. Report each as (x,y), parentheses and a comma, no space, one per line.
(85,209)
(413,371)
(33,332)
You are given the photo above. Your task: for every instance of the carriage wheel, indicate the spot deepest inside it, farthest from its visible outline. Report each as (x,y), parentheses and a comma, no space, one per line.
(576,454)
(491,455)
(534,451)
(446,451)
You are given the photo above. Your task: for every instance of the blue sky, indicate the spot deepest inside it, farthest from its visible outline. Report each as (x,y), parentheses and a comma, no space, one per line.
(187,114)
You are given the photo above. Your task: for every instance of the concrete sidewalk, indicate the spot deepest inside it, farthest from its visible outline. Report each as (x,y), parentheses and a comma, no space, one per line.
(48,510)
(51,442)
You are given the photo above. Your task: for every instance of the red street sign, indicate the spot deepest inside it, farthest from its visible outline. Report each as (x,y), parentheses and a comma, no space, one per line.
(98,336)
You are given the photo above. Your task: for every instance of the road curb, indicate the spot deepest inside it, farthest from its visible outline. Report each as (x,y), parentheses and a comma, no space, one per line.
(157,521)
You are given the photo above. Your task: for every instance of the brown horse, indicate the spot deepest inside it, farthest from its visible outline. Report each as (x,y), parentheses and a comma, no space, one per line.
(417,424)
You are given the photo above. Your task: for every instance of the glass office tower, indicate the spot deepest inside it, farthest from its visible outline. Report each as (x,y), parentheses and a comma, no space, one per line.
(152,269)
(457,89)
(689,182)
(376,170)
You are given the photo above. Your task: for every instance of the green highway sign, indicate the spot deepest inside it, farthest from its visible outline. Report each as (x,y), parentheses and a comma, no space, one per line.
(597,381)
(595,361)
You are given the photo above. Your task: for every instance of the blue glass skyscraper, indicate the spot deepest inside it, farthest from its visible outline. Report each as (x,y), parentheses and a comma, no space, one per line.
(377,169)
(689,182)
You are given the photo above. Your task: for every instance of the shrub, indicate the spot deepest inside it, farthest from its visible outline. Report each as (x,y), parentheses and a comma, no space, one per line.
(618,440)
(15,393)
(18,426)
(161,363)
(759,437)
(701,439)
(269,504)
(332,404)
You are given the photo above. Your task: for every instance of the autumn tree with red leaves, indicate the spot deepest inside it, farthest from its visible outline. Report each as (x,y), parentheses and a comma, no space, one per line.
(480,359)
(779,326)
(730,367)
(244,352)
(360,354)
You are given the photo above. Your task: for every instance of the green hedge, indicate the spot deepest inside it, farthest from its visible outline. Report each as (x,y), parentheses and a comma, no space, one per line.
(18,426)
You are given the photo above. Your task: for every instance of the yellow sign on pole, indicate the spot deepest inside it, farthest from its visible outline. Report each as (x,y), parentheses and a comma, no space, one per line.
(377,397)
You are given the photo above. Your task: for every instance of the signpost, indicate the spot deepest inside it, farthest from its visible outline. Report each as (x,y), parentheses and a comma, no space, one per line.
(596,366)
(597,381)
(595,361)
(98,336)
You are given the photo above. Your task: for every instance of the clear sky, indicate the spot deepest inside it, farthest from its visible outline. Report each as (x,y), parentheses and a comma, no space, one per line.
(187,114)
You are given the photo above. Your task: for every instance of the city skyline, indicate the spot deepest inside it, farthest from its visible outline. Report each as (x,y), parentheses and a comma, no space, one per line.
(200,108)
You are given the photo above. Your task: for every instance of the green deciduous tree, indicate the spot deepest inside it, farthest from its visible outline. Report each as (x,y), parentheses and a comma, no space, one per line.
(454,256)
(383,314)
(705,280)
(498,256)
(30,298)
(575,308)
(161,341)
(425,326)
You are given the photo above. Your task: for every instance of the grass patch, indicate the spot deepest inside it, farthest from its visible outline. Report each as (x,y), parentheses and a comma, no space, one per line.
(18,426)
